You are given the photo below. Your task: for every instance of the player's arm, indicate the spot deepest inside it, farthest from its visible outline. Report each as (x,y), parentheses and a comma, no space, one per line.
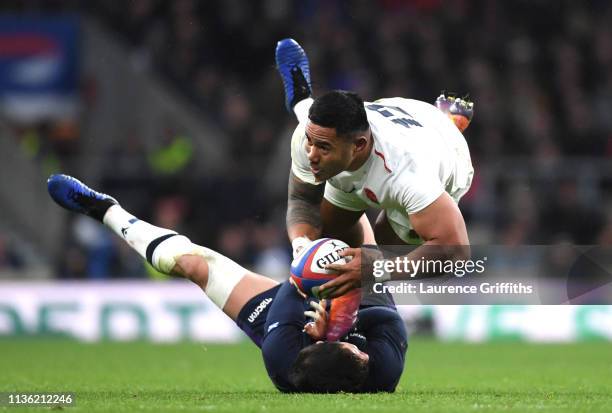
(284,337)
(310,216)
(387,345)
(303,209)
(440,225)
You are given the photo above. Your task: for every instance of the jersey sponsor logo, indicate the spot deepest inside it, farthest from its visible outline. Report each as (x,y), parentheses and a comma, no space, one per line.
(264,303)
(356,335)
(371,195)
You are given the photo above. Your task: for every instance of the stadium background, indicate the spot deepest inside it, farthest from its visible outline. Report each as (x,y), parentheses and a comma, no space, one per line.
(176,109)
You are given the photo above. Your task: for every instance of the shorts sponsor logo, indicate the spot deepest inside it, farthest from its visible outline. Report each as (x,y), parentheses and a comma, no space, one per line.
(264,303)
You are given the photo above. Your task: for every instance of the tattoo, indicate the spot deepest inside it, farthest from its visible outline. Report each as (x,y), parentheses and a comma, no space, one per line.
(299,212)
(303,203)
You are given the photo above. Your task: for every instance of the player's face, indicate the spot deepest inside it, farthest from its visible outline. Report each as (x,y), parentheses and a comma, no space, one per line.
(328,153)
(355,350)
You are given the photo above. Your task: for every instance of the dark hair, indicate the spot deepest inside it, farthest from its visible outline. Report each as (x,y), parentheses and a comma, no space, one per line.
(328,368)
(341,110)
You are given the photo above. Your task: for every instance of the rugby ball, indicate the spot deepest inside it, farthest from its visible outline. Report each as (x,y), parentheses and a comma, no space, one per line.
(308,268)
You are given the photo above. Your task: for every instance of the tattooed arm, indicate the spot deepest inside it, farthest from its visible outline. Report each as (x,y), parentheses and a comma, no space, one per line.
(303,209)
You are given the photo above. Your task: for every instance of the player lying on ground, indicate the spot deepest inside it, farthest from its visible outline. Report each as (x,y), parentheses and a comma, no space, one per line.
(369,359)
(405,157)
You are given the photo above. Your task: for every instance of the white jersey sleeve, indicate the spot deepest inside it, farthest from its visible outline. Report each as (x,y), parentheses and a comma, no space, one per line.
(416,191)
(300,166)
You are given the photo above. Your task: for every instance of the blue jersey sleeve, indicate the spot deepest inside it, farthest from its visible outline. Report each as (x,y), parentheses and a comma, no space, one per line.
(284,337)
(387,342)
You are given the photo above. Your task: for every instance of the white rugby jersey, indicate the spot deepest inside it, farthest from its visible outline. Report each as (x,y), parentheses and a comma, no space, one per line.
(418,152)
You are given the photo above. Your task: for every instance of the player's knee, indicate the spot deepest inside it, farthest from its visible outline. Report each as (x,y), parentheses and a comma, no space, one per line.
(194,268)
(216,274)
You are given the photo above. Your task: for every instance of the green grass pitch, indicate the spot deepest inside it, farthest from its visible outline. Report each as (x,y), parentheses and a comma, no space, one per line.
(118,377)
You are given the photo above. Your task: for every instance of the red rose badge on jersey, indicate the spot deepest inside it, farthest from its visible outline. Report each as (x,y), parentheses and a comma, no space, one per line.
(371,195)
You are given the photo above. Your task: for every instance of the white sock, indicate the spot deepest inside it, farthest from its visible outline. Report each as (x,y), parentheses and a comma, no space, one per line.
(162,247)
(301,109)
(138,234)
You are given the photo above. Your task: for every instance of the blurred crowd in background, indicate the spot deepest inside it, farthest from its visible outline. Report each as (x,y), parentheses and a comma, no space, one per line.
(539,72)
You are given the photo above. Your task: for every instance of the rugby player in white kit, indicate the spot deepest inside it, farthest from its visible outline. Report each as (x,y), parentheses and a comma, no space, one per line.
(403,156)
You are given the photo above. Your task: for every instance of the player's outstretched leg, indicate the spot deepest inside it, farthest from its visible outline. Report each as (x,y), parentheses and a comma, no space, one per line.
(225,282)
(294,69)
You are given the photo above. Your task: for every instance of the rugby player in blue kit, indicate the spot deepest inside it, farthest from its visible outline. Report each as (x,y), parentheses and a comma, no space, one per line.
(287,327)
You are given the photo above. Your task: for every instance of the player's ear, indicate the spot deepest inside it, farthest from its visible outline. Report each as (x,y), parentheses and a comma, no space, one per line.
(360,142)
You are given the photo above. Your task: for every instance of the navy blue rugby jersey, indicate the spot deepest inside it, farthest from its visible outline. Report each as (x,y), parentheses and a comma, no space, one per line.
(379,332)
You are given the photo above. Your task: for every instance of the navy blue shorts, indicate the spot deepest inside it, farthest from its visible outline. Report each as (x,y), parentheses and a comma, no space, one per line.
(252,317)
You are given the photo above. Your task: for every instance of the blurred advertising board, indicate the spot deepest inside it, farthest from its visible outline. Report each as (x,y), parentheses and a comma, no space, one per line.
(530,323)
(119,310)
(177,310)
(39,74)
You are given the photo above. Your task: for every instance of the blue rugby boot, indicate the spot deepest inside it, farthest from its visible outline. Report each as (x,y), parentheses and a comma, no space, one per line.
(75,196)
(292,64)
